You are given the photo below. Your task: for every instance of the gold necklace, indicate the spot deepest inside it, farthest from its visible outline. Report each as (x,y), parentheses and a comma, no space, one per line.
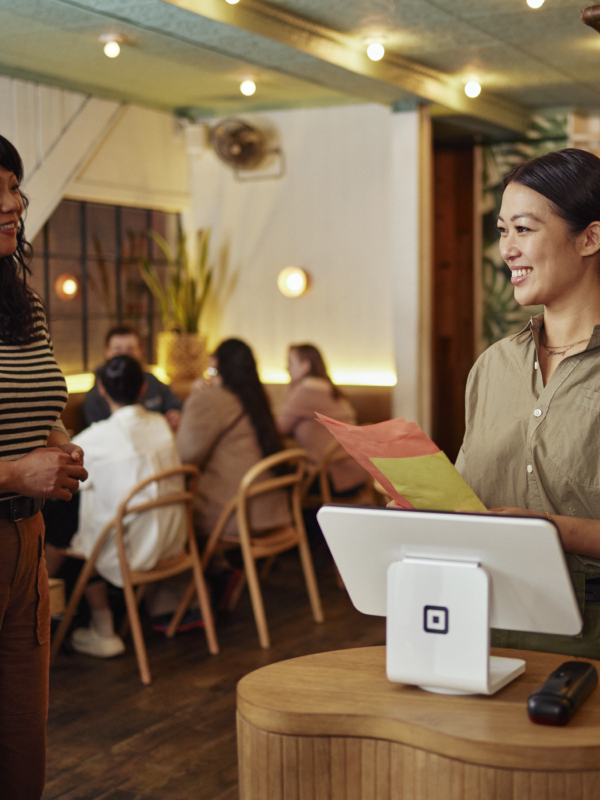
(561,349)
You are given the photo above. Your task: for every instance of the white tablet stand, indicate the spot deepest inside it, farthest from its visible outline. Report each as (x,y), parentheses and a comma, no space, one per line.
(443,580)
(438,628)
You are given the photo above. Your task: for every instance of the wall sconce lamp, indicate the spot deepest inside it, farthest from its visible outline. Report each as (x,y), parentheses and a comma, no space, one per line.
(66,287)
(292,281)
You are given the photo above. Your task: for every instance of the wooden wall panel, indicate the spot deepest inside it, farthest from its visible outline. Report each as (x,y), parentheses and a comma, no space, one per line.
(453,292)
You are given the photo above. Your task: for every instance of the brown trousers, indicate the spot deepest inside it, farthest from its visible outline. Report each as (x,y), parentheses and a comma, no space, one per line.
(24,658)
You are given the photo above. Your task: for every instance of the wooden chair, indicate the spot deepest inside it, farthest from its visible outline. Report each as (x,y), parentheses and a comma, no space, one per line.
(334,452)
(188,559)
(267,544)
(365,497)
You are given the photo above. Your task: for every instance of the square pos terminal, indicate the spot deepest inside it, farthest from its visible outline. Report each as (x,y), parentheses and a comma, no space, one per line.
(443,580)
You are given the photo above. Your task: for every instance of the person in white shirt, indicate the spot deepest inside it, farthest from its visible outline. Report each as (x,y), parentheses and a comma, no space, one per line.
(132,444)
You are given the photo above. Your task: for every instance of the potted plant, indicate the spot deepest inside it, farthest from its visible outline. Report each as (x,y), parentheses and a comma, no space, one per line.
(182,297)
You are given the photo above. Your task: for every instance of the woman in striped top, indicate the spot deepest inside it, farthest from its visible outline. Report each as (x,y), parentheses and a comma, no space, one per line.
(36,461)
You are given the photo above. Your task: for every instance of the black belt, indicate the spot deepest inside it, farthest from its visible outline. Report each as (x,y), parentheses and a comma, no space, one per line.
(18,508)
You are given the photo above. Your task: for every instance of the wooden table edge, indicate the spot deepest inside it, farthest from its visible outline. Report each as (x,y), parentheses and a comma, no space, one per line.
(464,750)
(363,726)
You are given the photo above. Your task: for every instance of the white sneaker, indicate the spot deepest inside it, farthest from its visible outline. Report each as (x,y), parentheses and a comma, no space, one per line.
(89,641)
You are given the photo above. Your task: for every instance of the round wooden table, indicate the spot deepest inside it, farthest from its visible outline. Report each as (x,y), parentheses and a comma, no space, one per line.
(332,726)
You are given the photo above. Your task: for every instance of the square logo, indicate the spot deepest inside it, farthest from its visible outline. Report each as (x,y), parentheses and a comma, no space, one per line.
(435,619)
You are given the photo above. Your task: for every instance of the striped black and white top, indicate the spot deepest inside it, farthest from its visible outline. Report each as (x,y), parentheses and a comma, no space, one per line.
(33,393)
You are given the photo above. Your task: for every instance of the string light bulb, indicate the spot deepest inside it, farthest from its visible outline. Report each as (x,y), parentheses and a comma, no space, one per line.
(472,89)
(535,3)
(247,88)
(292,281)
(111,42)
(376,51)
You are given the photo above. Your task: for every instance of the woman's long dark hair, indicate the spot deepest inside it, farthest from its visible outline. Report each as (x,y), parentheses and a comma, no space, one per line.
(19,309)
(237,369)
(310,353)
(569,179)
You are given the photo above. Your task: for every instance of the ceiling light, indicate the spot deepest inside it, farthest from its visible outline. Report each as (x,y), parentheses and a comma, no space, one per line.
(112,48)
(472,89)
(375,51)
(248,88)
(292,281)
(66,286)
(535,3)
(233,2)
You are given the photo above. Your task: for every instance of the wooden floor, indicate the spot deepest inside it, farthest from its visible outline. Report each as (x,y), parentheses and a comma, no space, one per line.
(110,737)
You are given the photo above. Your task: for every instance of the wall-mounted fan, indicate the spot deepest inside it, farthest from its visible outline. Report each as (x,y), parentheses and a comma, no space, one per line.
(246,147)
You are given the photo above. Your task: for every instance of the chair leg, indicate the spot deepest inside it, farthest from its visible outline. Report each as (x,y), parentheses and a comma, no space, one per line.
(307,564)
(136,633)
(139,594)
(256,597)
(310,579)
(82,582)
(205,609)
(181,609)
(237,593)
(266,569)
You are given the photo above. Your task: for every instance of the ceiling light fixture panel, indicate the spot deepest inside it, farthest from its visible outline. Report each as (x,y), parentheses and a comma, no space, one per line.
(247,88)
(112,44)
(472,89)
(376,51)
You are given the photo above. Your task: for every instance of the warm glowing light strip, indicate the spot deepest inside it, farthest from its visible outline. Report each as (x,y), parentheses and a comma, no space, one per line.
(365,377)
(341,377)
(159,373)
(82,382)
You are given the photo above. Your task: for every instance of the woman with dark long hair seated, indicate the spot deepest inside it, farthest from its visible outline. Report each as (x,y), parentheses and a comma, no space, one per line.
(227,427)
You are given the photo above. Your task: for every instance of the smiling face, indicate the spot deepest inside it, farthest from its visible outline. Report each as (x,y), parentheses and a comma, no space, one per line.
(11,208)
(549,265)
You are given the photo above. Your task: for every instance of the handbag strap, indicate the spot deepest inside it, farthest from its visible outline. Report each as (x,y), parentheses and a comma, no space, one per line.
(220,437)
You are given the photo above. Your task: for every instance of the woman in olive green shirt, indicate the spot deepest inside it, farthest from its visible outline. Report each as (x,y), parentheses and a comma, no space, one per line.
(532,442)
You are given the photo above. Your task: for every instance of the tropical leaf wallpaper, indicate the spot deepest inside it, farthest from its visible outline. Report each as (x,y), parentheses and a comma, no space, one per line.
(502,315)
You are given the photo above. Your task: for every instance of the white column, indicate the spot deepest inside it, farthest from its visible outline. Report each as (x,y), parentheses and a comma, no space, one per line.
(411,234)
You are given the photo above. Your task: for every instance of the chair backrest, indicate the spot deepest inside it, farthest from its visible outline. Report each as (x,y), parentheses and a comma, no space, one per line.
(251,485)
(320,471)
(127,506)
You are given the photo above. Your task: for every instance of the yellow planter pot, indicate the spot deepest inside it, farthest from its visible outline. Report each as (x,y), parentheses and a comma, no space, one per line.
(183,356)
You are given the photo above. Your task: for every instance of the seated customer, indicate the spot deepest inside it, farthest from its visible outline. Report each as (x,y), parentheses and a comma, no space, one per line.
(227,427)
(313,390)
(157,396)
(121,451)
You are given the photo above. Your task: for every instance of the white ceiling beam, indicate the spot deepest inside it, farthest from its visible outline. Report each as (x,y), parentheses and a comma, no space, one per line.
(349,52)
(47,184)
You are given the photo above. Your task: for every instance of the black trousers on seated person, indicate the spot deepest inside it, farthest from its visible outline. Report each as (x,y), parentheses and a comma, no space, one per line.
(309,515)
(62,520)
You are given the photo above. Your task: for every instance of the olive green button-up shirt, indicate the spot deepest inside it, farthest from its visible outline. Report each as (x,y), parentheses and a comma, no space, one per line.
(538,447)
(529,445)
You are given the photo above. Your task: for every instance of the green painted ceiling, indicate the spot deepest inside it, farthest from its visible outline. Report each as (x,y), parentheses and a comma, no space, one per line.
(174,58)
